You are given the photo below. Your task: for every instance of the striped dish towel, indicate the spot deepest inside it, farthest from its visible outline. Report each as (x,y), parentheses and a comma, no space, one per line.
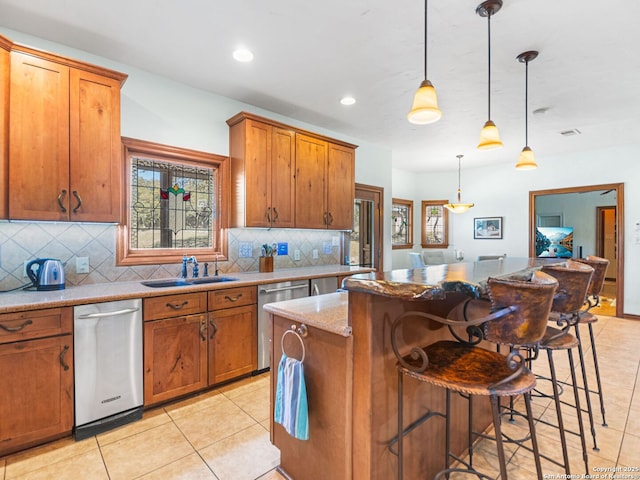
(291,409)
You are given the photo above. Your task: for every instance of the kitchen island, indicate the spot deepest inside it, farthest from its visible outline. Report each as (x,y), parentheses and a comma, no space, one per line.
(367,417)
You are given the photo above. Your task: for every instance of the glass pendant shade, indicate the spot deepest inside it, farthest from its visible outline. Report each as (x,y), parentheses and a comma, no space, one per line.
(425,105)
(489,137)
(527,160)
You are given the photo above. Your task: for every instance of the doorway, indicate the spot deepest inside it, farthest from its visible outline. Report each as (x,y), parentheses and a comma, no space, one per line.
(606,229)
(365,240)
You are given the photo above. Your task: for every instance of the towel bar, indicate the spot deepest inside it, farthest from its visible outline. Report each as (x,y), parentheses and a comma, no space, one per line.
(299,333)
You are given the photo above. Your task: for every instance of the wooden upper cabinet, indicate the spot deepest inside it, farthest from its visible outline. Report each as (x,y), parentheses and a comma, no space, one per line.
(311,173)
(287,177)
(341,187)
(64,139)
(5,61)
(262,171)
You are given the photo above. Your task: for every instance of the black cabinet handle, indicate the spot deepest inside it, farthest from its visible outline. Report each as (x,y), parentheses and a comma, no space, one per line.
(63,194)
(214,327)
(15,329)
(175,306)
(62,355)
(233,299)
(203,327)
(75,194)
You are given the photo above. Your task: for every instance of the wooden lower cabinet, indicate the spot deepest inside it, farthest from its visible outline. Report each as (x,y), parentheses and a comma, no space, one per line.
(233,349)
(188,353)
(175,357)
(36,397)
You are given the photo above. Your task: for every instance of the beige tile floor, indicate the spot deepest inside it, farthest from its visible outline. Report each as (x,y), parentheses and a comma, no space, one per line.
(223,434)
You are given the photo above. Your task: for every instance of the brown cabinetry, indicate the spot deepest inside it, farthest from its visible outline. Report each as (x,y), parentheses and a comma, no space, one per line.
(187,349)
(288,177)
(262,170)
(64,139)
(175,346)
(233,333)
(36,368)
(5,57)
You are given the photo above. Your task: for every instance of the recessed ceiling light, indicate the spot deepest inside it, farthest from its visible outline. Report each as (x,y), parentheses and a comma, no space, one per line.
(347,100)
(243,55)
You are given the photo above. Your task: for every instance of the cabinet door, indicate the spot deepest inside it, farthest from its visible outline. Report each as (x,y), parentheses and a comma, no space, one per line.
(94,148)
(257,174)
(233,343)
(36,398)
(340,187)
(38,139)
(5,61)
(283,192)
(311,162)
(175,357)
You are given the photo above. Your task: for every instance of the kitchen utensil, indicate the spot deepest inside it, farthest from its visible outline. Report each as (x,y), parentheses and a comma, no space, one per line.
(46,274)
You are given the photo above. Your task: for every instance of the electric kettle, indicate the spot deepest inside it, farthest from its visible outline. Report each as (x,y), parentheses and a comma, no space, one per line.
(48,274)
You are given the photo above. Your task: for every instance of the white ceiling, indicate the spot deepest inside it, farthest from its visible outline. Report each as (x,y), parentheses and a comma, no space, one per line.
(308,54)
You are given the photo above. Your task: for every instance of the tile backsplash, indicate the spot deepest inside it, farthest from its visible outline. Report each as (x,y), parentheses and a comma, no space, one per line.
(20,241)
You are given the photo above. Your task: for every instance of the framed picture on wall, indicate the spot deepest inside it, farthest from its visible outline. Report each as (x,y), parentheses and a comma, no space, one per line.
(487,228)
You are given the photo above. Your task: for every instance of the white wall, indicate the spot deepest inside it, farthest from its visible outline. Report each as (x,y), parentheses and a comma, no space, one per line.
(501,191)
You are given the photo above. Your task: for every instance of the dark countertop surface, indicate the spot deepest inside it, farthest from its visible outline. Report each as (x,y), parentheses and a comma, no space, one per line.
(433,281)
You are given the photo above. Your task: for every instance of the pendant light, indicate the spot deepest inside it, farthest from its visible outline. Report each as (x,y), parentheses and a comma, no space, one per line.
(489,136)
(425,102)
(458,207)
(527,160)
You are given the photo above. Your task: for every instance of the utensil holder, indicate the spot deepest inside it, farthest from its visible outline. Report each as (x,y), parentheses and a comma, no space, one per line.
(266,264)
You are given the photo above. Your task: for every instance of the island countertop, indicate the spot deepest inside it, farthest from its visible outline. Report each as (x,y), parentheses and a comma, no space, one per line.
(327,312)
(434,281)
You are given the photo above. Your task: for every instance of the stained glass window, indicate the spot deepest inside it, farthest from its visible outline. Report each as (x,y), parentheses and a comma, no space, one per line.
(402,223)
(435,224)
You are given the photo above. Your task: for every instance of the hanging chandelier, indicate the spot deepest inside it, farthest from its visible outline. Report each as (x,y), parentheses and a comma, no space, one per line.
(425,102)
(458,207)
(489,136)
(527,160)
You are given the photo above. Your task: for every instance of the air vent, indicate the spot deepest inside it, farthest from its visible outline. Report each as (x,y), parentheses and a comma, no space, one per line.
(570,133)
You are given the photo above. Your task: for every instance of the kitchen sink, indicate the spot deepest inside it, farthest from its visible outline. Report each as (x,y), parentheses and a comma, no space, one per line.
(182,282)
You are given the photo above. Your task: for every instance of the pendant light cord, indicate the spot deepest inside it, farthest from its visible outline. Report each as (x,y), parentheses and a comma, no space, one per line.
(526,103)
(425,39)
(489,61)
(459,157)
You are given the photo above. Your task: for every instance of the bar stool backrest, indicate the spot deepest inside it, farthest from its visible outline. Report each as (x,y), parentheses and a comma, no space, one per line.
(599,266)
(573,282)
(527,324)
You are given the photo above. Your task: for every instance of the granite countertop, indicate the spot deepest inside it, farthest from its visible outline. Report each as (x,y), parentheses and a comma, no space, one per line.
(104,292)
(328,312)
(434,281)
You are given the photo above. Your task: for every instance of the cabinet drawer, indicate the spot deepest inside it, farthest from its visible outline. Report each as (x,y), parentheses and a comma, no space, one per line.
(174,305)
(35,324)
(232,297)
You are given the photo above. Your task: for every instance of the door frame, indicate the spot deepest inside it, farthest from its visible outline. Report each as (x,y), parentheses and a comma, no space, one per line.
(619,189)
(376,195)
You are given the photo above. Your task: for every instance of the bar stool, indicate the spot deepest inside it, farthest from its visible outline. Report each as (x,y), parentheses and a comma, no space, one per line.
(599,266)
(573,281)
(518,316)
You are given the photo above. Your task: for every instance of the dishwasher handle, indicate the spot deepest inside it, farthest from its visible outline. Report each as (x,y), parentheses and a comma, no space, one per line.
(282,289)
(110,314)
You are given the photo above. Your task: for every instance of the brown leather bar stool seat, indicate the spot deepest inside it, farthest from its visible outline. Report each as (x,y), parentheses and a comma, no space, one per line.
(599,266)
(518,316)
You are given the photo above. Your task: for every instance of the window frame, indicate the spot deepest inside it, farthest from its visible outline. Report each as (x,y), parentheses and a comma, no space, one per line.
(445,224)
(127,256)
(408,204)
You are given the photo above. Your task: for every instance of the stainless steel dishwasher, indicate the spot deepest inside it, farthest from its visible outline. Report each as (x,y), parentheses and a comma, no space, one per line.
(269,293)
(107,347)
